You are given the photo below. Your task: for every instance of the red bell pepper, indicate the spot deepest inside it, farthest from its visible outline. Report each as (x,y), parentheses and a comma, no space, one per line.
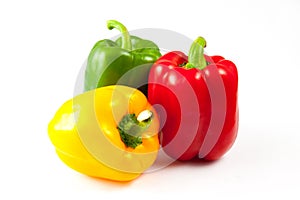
(198,103)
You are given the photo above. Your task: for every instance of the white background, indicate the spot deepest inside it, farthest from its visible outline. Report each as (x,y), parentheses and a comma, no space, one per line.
(44,43)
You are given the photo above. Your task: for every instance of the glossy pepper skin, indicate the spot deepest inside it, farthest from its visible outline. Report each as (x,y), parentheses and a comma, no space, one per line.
(199,98)
(109,61)
(86,133)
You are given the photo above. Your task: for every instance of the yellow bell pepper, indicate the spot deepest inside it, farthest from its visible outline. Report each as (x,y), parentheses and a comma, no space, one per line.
(110,132)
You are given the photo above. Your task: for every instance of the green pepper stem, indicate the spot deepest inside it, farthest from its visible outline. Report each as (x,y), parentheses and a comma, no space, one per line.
(196,57)
(131,128)
(126,42)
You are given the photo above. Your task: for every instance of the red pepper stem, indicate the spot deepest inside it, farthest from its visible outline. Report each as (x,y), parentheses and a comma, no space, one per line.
(126,42)
(196,57)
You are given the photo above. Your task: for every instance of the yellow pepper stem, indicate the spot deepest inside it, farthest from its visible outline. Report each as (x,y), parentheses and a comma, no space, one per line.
(131,128)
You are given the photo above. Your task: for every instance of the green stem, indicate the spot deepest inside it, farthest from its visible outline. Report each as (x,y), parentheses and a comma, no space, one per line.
(196,57)
(131,128)
(126,42)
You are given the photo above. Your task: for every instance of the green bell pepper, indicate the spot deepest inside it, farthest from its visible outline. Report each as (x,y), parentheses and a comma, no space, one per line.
(126,61)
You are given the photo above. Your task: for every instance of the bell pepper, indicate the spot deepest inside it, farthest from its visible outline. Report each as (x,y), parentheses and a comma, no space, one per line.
(109,133)
(109,61)
(199,105)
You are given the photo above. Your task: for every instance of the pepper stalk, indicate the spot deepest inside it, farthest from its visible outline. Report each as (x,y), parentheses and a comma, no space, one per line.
(126,42)
(131,127)
(196,57)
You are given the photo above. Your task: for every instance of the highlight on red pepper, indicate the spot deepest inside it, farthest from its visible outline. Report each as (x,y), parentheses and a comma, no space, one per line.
(199,96)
